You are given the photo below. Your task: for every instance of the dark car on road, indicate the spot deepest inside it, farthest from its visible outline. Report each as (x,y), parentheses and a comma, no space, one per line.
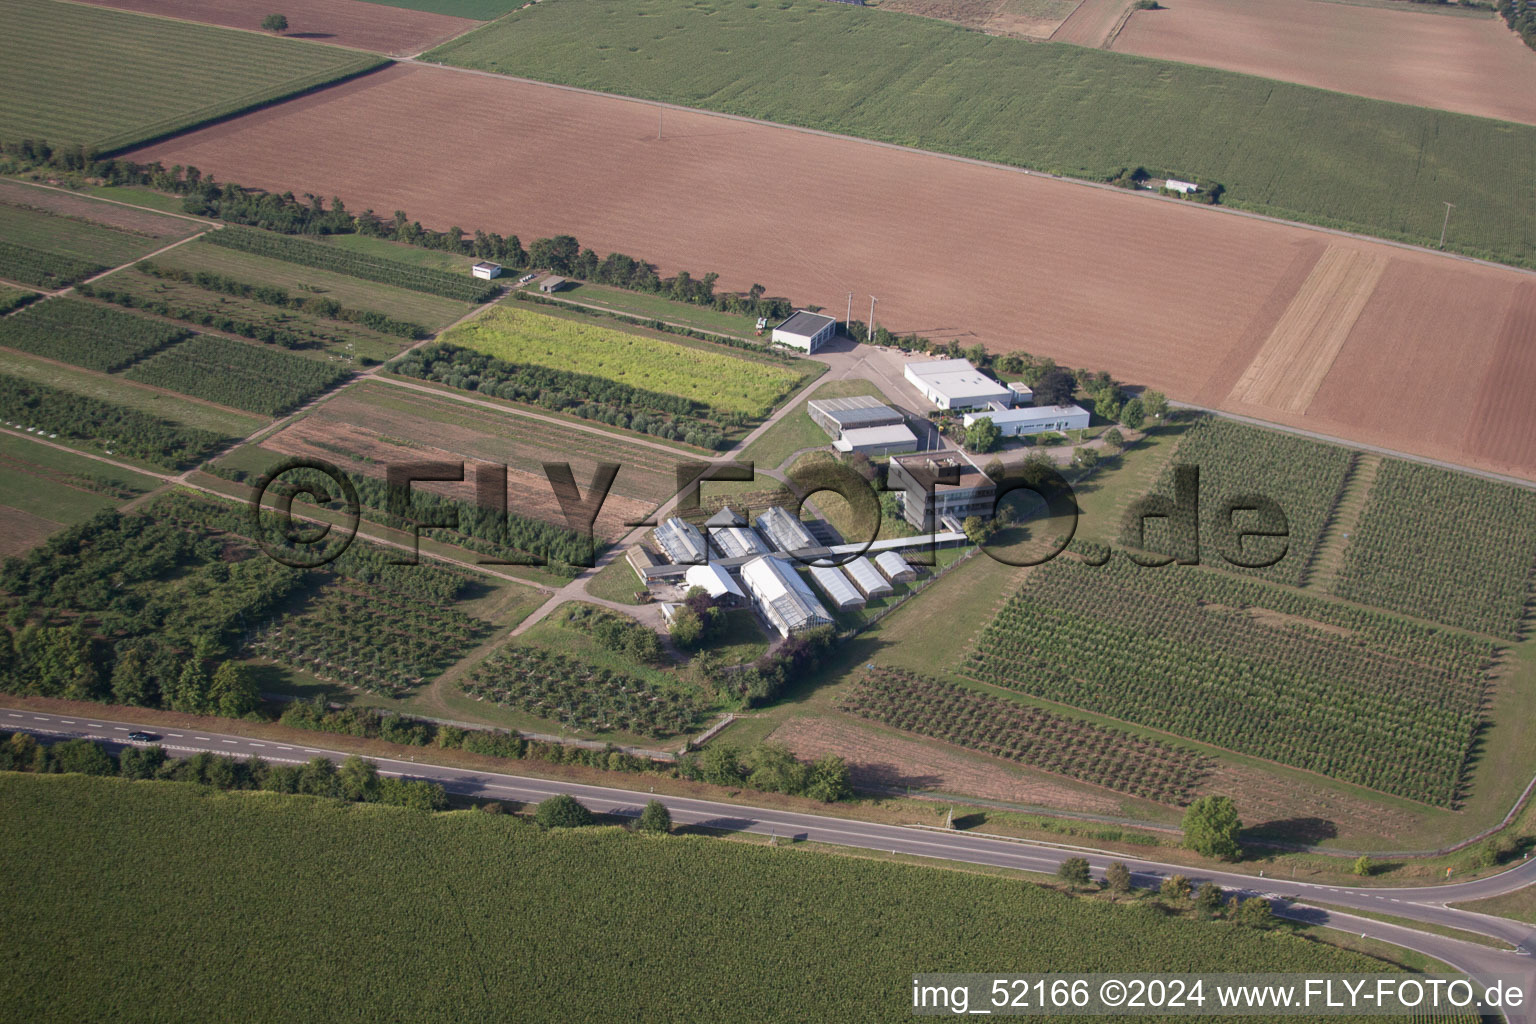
(142,737)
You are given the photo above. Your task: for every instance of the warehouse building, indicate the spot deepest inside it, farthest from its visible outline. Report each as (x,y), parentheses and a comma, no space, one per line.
(838,588)
(715,581)
(868,579)
(1034,419)
(486,271)
(782,596)
(835,415)
(551,284)
(784,531)
(643,562)
(805,331)
(939,486)
(956,384)
(895,567)
(877,440)
(681,541)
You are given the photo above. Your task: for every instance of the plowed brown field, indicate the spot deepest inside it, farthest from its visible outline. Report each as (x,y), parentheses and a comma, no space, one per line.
(1159,292)
(356,23)
(1469,65)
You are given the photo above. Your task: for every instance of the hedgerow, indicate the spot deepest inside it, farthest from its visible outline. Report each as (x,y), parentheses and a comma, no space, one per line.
(87,334)
(342,261)
(1054,743)
(136,435)
(239,375)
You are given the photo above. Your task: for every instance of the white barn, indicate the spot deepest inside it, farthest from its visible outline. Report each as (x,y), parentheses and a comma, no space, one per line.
(486,271)
(783,530)
(805,331)
(1034,419)
(956,384)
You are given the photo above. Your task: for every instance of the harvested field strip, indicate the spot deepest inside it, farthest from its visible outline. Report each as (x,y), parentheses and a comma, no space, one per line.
(1501,427)
(78,206)
(20,531)
(1286,150)
(1034,737)
(1303,345)
(1092,24)
(87,76)
(1351,694)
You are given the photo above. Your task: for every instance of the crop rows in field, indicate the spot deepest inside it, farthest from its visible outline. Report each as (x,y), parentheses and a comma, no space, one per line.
(239,375)
(35,407)
(355,264)
(1040,739)
(78,75)
(1444,546)
(86,334)
(713,379)
(15,298)
(1305,478)
(26,265)
(1348,693)
(564,689)
(370,639)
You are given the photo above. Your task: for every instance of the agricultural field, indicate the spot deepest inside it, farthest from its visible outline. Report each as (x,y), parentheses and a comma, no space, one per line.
(14,298)
(177,294)
(1350,694)
(1444,546)
(43,489)
(375,424)
(114,389)
(78,420)
(1027,19)
(616,187)
(707,375)
(85,334)
(1473,65)
(1305,478)
(87,76)
(237,374)
(655,307)
(360,25)
(479,10)
(715,916)
(1079,750)
(36,218)
(83,206)
(1064,110)
(431,311)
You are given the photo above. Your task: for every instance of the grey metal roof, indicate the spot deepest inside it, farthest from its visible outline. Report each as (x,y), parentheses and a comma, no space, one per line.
(805,325)
(725,517)
(783,530)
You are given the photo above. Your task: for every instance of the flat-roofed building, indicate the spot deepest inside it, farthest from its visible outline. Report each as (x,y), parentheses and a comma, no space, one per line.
(867,578)
(956,384)
(486,270)
(939,486)
(1033,419)
(782,596)
(642,561)
(681,541)
(783,530)
(837,586)
(835,415)
(877,440)
(805,331)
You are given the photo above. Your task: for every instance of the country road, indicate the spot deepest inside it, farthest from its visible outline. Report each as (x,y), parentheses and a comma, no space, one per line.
(1422,903)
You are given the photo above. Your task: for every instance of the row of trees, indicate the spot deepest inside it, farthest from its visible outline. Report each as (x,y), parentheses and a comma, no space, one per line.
(1520,16)
(769,768)
(87,334)
(1209,900)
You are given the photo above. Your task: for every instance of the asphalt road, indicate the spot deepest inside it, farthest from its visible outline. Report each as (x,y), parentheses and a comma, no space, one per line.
(1293,898)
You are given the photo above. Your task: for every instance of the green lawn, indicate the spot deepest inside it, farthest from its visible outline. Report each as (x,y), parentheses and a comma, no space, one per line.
(1285,150)
(79,75)
(656,307)
(531,919)
(430,311)
(118,391)
(743,640)
(400,252)
(58,485)
(710,375)
(616,581)
(138,196)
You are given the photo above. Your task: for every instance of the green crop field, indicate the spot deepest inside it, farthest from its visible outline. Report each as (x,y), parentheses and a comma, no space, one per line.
(1444,546)
(657,307)
(724,931)
(235,373)
(1348,693)
(14,298)
(86,334)
(478,10)
(89,76)
(712,378)
(60,486)
(1286,150)
(121,392)
(432,311)
(1303,477)
(69,236)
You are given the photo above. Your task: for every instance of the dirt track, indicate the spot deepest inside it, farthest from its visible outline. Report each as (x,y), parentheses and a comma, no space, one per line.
(1092,23)
(1161,293)
(1469,65)
(357,23)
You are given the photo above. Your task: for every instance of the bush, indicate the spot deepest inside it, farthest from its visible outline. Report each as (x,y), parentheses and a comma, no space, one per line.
(1255,912)
(1175,887)
(563,812)
(1210,828)
(1074,871)
(655,818)
(1117,877)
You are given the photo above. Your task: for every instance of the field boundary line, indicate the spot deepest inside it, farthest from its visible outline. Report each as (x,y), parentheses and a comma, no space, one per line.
(978,162)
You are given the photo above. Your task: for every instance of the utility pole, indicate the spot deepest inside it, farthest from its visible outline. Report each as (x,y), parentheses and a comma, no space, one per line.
(872,301)
(848,317)
(1446,223)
